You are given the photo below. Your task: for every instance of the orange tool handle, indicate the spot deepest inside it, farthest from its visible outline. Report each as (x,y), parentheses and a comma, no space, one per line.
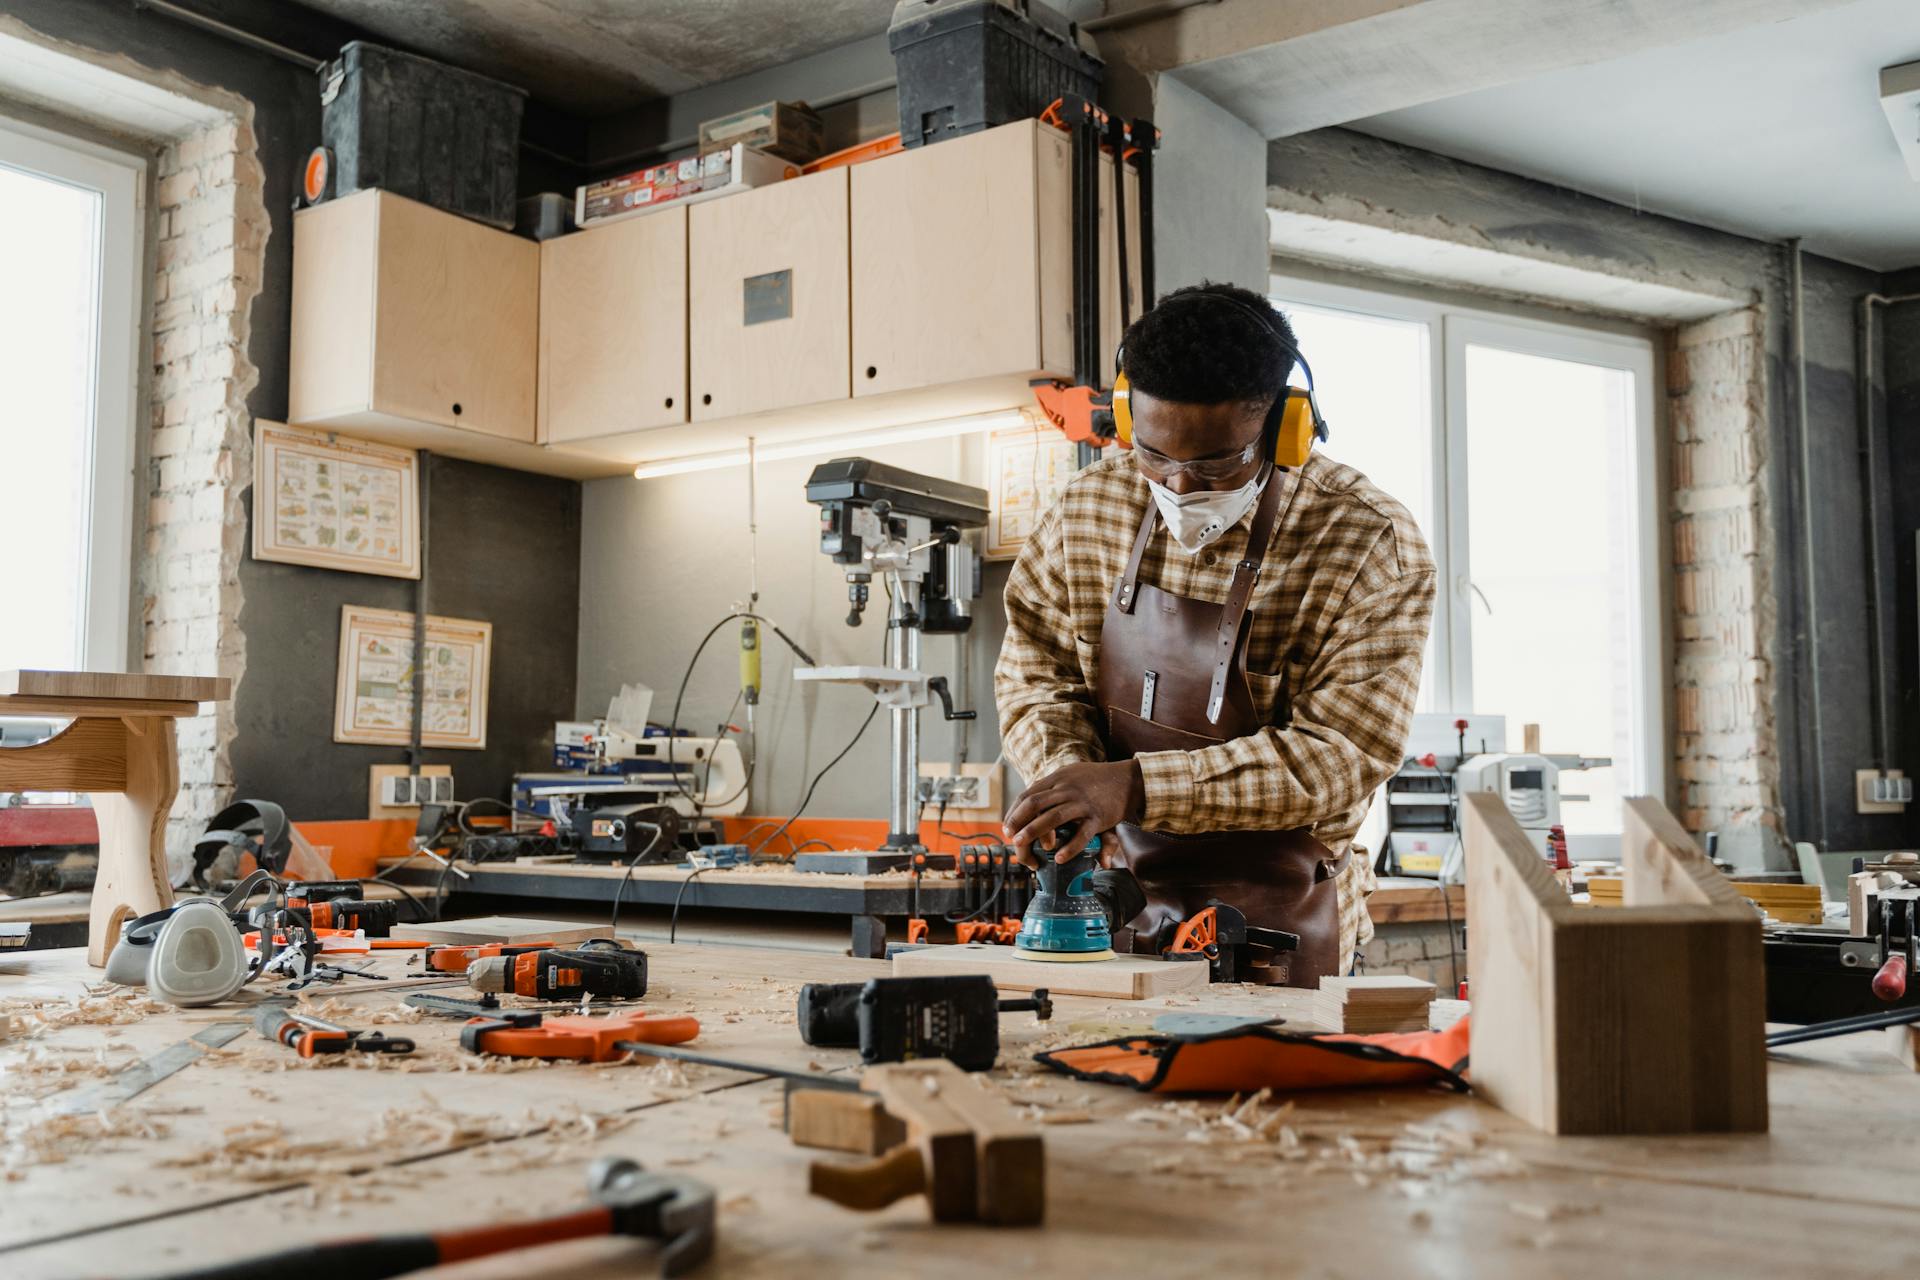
(1890,984)
(665,1030)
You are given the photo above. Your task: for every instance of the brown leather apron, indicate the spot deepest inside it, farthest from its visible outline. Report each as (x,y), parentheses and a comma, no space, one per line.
(1173,677)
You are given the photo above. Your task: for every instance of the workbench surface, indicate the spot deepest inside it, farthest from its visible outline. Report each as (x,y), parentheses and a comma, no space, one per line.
(252,1148)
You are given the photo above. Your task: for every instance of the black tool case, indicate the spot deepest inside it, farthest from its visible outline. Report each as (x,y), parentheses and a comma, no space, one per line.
(968,65)
(423,130)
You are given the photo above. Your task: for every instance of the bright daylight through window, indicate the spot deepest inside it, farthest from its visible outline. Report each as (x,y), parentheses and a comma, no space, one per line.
(67,262)
(1518,448)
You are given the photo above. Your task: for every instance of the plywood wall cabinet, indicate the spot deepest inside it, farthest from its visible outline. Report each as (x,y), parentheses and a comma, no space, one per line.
(415,327)
(767,298)
(962,261)
(613,328)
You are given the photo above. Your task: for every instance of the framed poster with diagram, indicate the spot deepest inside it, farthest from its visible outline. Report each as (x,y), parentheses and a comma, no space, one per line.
(335,503)
(1027,467)
(373,700)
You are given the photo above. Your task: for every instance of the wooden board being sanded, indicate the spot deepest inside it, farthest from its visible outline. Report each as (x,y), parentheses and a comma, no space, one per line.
(1122,978)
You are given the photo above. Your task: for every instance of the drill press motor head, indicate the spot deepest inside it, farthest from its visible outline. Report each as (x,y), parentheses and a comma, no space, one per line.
(1066,921)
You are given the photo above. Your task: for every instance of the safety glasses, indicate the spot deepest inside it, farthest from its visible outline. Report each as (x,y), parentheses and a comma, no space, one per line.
(1205,470)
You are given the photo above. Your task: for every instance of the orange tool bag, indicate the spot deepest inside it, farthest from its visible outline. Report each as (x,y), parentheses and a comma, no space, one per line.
(1255,1057)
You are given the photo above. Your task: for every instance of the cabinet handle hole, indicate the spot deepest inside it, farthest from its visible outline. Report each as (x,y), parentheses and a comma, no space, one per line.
(669,402)
(456,411)
(872,372)
(706,399)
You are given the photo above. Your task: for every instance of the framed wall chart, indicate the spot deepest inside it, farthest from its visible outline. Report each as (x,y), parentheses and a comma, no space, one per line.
(373,701)
(1027,467)
(334,502)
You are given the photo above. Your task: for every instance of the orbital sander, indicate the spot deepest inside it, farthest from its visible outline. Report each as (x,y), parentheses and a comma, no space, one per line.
(1065,920)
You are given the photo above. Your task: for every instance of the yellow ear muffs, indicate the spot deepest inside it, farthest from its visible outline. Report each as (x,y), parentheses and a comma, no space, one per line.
(1121,401)
(1299,426)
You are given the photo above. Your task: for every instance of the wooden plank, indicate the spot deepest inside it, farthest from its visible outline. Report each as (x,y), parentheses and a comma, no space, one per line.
(1648,1018)
(1661,863)
(132,880)
(88,755)
(504,929)
(114,684)
(1121,978)
(1397,901)
(942,1136)
(58,708)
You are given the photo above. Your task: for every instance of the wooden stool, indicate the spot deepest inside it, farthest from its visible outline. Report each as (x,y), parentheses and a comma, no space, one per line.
(120,750)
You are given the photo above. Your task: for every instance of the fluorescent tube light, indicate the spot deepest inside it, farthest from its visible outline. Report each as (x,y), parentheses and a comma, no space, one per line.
(940,429)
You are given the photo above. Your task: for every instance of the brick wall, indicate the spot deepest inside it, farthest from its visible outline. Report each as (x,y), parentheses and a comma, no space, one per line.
(1726,741)
(212,231)
(1420,949)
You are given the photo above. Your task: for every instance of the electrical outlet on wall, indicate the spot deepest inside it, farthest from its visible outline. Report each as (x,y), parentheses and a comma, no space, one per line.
(1876,791)
(394,791)
(972,795)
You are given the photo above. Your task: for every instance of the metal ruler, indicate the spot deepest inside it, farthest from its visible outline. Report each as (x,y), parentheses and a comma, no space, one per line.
(143,1075)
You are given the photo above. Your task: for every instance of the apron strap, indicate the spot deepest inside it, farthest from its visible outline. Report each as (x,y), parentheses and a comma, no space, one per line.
(1240,592)
(1128,587)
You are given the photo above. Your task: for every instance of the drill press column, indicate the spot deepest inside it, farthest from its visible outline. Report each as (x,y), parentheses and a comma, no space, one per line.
(903,783)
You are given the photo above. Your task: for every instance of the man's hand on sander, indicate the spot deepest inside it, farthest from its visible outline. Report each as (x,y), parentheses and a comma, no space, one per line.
(1092,798)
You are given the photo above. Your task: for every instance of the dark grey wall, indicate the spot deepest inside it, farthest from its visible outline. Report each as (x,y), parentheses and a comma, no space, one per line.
(1898,452)
(1506,211)
(504,547)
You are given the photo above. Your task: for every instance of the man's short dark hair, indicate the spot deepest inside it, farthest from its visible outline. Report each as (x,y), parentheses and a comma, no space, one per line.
(1195,347)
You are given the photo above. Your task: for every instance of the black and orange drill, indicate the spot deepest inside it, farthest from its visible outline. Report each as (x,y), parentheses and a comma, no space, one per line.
(599,968)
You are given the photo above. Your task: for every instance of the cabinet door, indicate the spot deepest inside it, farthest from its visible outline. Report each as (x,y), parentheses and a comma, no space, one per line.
(613,328)
(946,262)
(457,313)
(767,297)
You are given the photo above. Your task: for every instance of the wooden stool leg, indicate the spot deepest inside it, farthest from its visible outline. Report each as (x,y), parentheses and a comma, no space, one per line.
(132,879)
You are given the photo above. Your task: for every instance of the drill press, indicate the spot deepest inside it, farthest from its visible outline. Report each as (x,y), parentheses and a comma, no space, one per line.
(910,531)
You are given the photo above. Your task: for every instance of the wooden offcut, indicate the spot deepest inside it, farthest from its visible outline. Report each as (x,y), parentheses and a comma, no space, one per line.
(1645,1019)
(1123,977)
(966,1150)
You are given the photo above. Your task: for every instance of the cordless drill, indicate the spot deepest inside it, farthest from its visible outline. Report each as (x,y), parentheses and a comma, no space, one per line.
(598,967)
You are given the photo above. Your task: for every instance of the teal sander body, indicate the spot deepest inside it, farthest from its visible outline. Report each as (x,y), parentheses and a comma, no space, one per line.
(1065,921)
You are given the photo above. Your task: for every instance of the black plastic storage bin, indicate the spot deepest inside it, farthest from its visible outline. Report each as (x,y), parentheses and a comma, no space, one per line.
(968,65)
(423,130)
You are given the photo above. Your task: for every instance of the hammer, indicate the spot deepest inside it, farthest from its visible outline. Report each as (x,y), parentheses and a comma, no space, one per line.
(627,1201)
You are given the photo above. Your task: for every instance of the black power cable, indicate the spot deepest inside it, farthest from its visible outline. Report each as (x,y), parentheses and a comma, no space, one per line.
(824,770)
(621,890)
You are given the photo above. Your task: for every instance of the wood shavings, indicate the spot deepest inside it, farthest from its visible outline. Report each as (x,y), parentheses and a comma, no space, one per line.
(58,1138)
(1411,1158)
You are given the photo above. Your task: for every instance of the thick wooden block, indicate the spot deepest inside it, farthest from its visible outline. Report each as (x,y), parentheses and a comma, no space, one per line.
(1645,1019)
(1121,978)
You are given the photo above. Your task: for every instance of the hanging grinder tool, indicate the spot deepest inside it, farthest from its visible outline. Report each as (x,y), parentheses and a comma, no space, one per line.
(1065,920)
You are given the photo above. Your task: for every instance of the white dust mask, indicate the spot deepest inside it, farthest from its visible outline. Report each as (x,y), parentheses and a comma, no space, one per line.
(1196,519)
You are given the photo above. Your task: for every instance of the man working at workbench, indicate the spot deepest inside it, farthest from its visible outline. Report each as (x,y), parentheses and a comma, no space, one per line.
(1211,660)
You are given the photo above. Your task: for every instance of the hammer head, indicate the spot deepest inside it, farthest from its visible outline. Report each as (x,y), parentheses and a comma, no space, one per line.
(674,1209)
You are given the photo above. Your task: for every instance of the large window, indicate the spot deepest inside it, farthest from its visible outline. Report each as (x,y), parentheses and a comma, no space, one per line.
(70,241)
(1525,452)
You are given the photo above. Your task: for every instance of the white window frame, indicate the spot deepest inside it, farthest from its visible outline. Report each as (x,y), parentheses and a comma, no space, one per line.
(120,179)
(1450,330)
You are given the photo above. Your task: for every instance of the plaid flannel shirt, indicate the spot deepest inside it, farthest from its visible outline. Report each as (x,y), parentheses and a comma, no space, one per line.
(1341,612)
